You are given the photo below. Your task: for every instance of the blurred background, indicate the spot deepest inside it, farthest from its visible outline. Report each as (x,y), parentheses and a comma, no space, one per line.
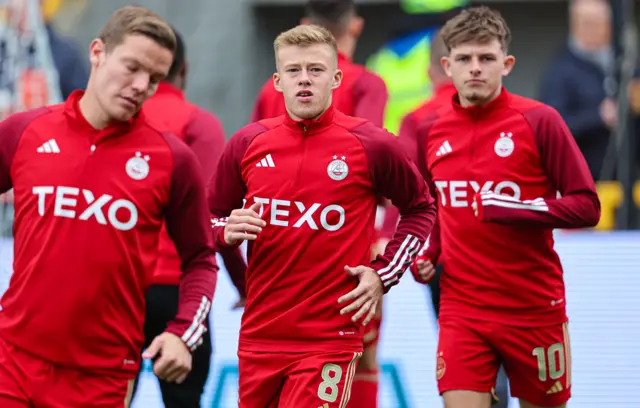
(580,57)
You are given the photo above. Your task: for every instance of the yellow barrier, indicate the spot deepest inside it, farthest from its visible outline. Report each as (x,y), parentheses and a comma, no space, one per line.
(610,193)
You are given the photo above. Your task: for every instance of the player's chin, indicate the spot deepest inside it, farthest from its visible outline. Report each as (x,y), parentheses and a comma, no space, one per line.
(305,112)
(123,114)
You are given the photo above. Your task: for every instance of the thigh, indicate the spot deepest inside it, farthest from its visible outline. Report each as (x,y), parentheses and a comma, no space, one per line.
(538,363)
(322,380)
(189,393)
(466,361)
(73,388)
(261,377)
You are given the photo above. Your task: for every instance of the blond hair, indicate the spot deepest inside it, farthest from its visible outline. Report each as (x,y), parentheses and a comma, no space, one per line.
(476,24)
(135,20)
(304,36)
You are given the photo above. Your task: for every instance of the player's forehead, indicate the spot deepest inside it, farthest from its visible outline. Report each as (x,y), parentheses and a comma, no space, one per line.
(144,51)
(320,54)
(492,47)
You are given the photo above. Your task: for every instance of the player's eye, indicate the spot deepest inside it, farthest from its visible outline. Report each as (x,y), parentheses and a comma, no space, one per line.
(462,58)
(131,67)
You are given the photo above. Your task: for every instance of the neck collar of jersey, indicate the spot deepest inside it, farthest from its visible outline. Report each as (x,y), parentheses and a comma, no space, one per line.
(72,110)
(311,125)
(167,88)
(475,111)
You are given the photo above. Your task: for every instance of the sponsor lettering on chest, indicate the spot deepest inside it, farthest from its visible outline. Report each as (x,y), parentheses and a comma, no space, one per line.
(459,193)
(84,205)
(296,214)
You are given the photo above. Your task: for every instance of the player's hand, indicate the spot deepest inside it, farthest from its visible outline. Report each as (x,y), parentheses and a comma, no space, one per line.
(423,269)
(243,225)
(239,304)
(366,296)
(172,359)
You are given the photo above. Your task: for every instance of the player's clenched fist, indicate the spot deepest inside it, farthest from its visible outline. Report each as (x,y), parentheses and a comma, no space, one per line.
(243,225)
(172,358)
(366,296)
(423,269)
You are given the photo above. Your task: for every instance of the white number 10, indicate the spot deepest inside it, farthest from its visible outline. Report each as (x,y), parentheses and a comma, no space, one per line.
(553,358)
(328,388)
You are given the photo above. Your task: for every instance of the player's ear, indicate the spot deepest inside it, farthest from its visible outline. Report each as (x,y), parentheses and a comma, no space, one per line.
(96,50)
(446,65)
(509,62)
(356,25)
(337,79)
(276,82)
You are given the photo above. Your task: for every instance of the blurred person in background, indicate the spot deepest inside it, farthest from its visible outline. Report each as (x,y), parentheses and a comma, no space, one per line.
(362,94)
(497,161)
(98,181)
(72,67)
(203,133)
(580,81)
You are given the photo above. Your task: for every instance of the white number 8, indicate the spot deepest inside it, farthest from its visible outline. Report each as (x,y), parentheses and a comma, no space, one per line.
(331,376)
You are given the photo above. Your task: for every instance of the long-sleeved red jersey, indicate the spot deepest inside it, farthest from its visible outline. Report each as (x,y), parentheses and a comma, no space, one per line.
(318,182)
(89,206)
(512,156)
(362,94)
(203,133)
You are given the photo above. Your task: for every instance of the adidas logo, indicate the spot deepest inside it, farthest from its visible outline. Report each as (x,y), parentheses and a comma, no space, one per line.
(444,149)
(267,161)
(557,387)
(50,146)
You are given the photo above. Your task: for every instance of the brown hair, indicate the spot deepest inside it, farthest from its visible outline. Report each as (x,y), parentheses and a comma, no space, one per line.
(305,36)
(132,20)
(476,24)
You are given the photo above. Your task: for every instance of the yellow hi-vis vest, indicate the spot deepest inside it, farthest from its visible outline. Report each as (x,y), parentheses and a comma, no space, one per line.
(406,78)
(431,6)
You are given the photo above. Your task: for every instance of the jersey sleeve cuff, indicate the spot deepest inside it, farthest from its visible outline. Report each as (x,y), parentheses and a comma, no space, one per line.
(191,338)
(388,278)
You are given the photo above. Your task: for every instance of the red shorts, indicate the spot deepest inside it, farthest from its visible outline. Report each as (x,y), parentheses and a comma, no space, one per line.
(27,381)
(294,380)
(537,360)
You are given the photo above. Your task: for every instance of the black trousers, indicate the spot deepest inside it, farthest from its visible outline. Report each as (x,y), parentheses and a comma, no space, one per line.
(162,307)
(502,385)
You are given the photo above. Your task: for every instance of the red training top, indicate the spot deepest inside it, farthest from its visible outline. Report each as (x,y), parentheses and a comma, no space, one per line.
(512,157)
(318,182)
(89,206)
(203,133)
(362,94)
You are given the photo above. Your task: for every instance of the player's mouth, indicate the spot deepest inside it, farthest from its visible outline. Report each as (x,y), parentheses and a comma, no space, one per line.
(130,103)
(475,82)
(304,96)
